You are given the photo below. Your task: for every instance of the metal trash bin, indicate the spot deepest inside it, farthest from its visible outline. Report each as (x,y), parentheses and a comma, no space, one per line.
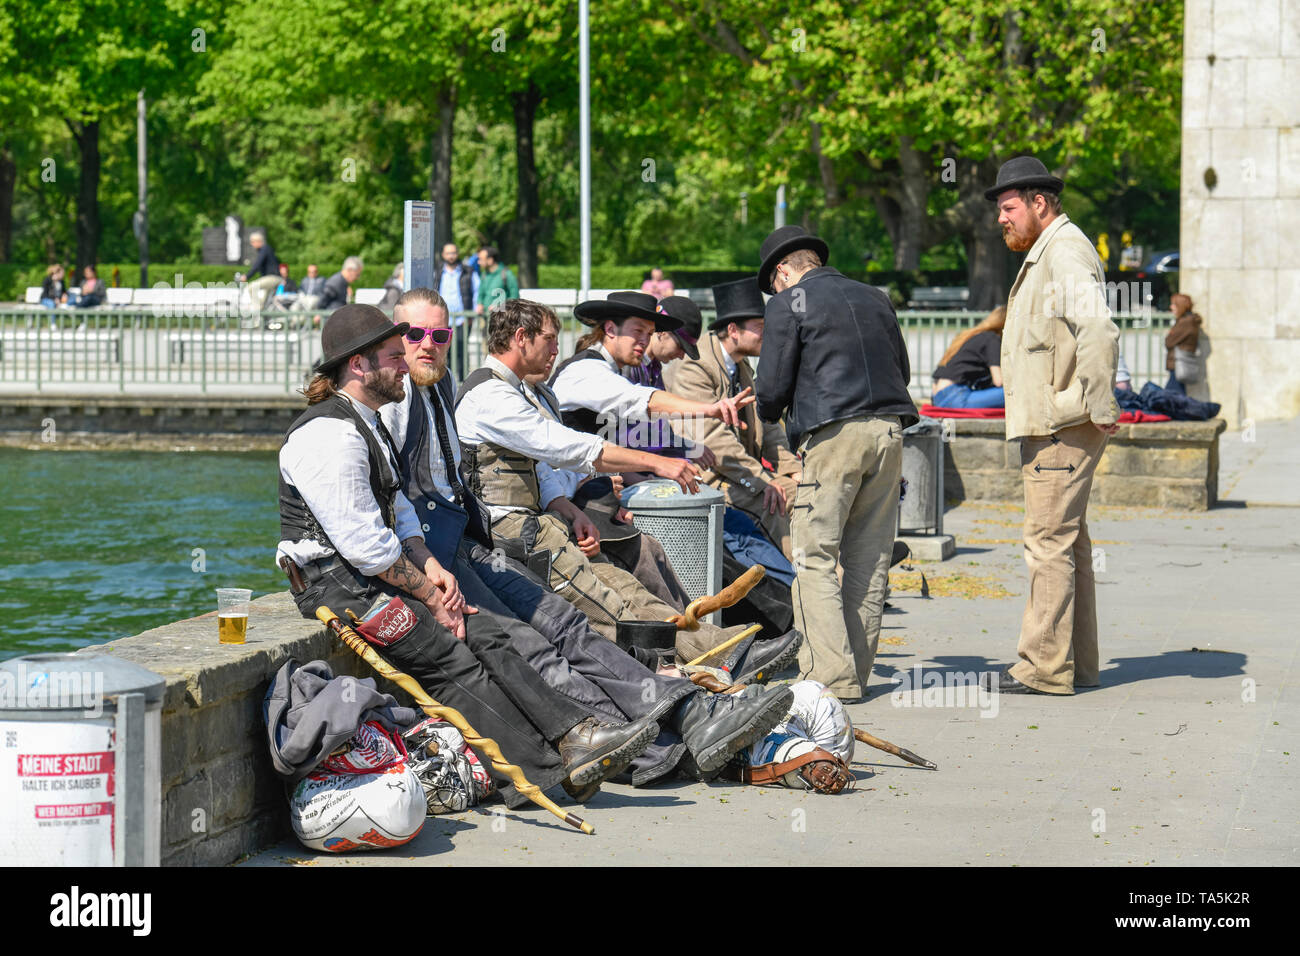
(921,510)
(80,761)
(688,526)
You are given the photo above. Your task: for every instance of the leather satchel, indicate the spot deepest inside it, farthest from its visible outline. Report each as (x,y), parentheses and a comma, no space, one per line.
(819,769)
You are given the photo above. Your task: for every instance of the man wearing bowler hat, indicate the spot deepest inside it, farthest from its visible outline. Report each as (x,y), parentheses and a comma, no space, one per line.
(721,369)
(351,540)
(1059,353)
(835,366)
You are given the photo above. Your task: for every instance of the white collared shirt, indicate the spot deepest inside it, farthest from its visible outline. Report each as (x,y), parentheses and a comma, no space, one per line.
(499,412)
(328,461)
(397,415)
(600,387)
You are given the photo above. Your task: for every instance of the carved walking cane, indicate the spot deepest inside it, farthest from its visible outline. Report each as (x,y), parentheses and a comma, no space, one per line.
(484,745)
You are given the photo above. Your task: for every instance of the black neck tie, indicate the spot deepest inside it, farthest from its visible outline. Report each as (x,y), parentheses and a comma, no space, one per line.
(444,443)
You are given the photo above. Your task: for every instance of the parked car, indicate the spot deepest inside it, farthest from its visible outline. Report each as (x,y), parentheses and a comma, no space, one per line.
(1161,271)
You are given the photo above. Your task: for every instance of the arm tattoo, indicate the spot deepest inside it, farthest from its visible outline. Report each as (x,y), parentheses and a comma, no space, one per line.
(407,577)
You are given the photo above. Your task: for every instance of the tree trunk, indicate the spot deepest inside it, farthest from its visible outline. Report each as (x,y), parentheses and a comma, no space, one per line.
(87,136)
(987,268)
(8,176)
(912,196)
(440,169)
(528,205)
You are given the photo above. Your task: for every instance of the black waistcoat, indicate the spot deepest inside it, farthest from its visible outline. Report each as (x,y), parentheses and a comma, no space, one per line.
(297,523)
(580,419)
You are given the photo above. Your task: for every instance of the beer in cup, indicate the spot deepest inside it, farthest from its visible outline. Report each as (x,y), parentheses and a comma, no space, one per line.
(232,614)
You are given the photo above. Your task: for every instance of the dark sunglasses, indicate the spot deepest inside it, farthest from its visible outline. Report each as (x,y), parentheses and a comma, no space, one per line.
(440,336)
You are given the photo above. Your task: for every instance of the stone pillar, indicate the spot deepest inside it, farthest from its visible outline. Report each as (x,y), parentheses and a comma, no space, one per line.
(1240,226)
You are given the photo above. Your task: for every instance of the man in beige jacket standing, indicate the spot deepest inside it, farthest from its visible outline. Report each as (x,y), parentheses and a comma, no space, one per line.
(1059,351)
(722,370)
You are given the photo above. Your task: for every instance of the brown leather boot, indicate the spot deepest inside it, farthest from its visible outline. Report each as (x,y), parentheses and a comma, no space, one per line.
(595,750)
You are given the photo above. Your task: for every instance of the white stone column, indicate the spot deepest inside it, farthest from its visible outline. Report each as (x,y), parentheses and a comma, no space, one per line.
(1240,223)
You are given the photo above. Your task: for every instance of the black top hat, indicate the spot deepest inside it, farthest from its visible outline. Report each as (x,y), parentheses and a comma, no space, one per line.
(779,244)
(737,301)
(351,330)
(624,305)
(688,313)
(1023,172)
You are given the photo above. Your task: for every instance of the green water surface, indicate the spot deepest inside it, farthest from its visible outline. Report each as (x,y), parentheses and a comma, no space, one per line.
(101,545)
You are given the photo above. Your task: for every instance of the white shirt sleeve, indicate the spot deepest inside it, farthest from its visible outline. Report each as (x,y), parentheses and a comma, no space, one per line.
(328,462)
(495,412)
(593,385)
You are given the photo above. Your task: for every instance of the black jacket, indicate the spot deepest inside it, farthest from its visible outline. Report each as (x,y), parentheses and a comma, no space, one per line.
(335,294)
(832,350)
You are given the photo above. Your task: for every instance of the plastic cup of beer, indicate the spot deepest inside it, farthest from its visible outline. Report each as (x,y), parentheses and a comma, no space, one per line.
(232,614)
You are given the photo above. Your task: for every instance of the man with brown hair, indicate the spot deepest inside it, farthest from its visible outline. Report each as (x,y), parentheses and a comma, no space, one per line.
(1059,353)
(720,370)
(523,459)
(835,366)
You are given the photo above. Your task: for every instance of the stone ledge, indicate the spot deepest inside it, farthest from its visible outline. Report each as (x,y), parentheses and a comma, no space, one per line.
(1158,464)
(214,745)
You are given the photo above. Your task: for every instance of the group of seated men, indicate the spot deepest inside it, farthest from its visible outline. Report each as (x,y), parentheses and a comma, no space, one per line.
(459,525)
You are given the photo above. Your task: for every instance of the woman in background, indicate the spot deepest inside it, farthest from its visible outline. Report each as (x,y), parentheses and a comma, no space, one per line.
(970,373)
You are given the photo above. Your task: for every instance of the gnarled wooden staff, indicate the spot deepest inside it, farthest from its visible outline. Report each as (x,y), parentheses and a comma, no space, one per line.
(704,606)
(484,745)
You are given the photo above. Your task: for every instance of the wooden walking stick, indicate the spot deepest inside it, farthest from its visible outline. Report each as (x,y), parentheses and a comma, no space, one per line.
(484,745)
(729,643)
(894,749)
(704,606)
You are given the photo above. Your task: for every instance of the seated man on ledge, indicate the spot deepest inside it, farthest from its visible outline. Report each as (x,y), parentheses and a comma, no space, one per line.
(518,453)
(552,635)
(346,524)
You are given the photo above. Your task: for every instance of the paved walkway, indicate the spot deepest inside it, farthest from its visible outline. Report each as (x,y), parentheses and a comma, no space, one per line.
(1187,753)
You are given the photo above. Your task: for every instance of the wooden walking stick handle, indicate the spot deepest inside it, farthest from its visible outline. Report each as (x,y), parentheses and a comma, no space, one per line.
(704,606)
(484,745)
(894,749)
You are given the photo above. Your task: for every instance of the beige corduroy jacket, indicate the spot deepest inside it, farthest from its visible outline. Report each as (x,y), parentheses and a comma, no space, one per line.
(738,451)
(1059,347)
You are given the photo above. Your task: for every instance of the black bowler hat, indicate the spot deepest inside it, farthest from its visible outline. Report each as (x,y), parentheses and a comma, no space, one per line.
(779,244)
(737,301)
(688,313)
(1023,172)
(624,305)
(351,330)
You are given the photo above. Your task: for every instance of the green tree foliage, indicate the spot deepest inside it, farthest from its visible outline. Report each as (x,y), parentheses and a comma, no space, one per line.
(883,119)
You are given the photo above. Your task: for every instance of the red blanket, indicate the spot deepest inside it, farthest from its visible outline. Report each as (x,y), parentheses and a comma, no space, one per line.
(933,411)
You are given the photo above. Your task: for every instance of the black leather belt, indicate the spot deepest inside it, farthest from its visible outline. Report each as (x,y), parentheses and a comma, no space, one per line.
(313,571)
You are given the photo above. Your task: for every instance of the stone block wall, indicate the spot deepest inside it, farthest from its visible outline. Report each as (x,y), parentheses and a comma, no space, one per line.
(1161,464)
(162,422)
(1240,207)
(220,797)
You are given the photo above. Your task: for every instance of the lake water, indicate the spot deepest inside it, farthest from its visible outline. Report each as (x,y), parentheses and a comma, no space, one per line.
(102,545)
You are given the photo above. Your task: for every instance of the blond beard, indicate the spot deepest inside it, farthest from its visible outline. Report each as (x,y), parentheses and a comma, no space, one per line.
(424,377)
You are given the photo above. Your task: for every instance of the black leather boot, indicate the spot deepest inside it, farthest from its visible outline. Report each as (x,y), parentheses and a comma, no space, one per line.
(764,658)
(718,726)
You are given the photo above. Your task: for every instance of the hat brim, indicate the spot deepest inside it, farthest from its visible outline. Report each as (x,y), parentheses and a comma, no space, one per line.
(359,345)
(599,310)
(1025,182)
(691,349)
(722,321)
(773,259)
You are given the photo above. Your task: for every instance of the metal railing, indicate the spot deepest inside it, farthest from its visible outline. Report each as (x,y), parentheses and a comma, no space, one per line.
(140,350)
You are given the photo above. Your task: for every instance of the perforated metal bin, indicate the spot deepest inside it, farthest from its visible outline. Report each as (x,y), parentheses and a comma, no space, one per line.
(922,506)
(688,526)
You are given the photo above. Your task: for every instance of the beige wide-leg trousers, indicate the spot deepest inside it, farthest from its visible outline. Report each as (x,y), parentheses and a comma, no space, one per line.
(845,512)
(1058,634)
